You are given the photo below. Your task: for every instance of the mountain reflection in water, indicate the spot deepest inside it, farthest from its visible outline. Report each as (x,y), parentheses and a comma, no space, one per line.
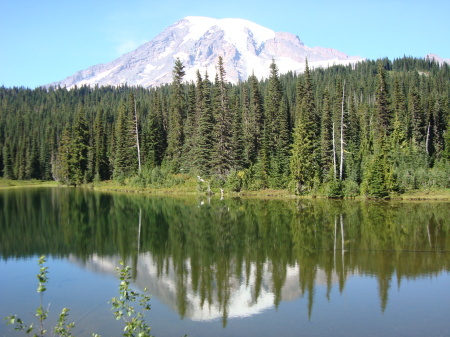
(212,258)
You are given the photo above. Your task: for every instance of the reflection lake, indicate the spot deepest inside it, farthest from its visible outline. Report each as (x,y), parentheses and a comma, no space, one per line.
(231,267)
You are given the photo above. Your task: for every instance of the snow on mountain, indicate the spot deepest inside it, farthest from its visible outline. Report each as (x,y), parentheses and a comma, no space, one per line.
(246,48)
(437,58)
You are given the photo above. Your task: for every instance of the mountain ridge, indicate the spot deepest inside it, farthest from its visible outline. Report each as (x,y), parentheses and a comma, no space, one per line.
(246,47)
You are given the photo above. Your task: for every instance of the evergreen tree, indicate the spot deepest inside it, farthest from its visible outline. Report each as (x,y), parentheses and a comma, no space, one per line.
(223,121)
(62,169)
(205,140)
(190,128)
(399,106)
(248,129)
(79,147)
(175,137)
(7,163)
(237,138)
(125,158)
(417,118)
(305,149)
(382,103)
(326,137)
(256,120)
(100,160)
(276,131)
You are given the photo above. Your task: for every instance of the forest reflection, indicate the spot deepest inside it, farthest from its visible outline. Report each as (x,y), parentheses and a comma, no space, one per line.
(212,258)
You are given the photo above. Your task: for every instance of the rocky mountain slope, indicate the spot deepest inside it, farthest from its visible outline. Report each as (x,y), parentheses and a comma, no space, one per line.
(246,48)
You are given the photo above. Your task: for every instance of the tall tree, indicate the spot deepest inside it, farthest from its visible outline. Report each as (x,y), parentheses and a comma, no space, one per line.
(237,135)
(276,130)
(304,159)
(101,169)
(382,103)
(175,136)
(223,123)
(204,148)
(326,137)
(125,155)
(79,148)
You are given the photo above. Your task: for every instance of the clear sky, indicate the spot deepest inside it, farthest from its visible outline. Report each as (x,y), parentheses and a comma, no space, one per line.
(45,41)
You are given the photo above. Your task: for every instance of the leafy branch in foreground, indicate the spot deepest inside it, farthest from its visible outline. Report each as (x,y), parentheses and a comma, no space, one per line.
(134,321)
(61,329)
(135,325)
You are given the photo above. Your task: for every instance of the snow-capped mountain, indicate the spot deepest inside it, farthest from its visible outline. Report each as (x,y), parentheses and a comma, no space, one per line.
(245,47)
(437,58)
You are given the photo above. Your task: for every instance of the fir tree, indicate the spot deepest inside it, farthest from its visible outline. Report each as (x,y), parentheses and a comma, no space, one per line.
(100,160)
(204,140)
(256,116)
(237,138)
(223,121)
(326,135)
(417,118)
(175,137)
(304,160)
(7,163)
(79,147)
(125,158)
(277,134)
(382,103)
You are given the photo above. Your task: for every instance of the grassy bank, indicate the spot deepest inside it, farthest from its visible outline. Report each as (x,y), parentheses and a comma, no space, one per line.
(194,188)
(7,183)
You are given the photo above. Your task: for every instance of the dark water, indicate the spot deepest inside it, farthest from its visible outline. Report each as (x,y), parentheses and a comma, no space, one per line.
(230,267)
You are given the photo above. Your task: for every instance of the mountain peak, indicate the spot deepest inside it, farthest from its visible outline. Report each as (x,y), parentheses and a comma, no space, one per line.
(245,47)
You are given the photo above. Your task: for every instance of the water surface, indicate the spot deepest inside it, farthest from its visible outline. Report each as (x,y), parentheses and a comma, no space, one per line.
(230,267)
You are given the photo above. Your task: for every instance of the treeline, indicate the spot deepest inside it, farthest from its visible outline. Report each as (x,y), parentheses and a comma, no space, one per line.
(372,128)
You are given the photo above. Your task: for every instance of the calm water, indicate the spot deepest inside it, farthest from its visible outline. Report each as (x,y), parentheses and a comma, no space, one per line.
(230,267)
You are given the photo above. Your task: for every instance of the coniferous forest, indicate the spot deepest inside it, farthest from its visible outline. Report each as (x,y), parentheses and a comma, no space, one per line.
(372,129)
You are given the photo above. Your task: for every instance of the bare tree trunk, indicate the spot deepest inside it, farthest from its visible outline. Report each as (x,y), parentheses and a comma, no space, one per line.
(428,138)
(334,154)
(137,138)
(341,169)
(139,231)
(343,241)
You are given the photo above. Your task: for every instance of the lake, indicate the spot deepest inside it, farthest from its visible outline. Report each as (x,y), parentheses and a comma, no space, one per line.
(231,267)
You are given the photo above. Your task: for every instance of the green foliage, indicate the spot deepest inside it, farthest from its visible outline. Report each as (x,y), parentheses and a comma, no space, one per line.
(135,324)
(277,130)
(123,306)
(234,180)
(374,184)
(62,328)
(333,189)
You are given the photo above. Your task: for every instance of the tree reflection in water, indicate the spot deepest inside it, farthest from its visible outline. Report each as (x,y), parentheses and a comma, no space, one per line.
(230,257)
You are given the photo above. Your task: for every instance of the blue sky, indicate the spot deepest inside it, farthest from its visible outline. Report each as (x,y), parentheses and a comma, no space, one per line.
(45,41)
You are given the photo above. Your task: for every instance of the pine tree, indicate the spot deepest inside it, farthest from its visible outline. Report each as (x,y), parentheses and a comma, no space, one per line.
(100,159)
(382,103)
(277,133)
(417,119)
(62,169)
(175,136)
(399,106)
(305,151)
(237,136)
(248,128)
(79,147)
(7,163)
(190,129)
(203,151)
(257,112)
(125,157)
(223,121)
(326,135)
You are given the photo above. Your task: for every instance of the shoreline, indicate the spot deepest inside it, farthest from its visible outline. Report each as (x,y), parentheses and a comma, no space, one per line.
(183,190)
